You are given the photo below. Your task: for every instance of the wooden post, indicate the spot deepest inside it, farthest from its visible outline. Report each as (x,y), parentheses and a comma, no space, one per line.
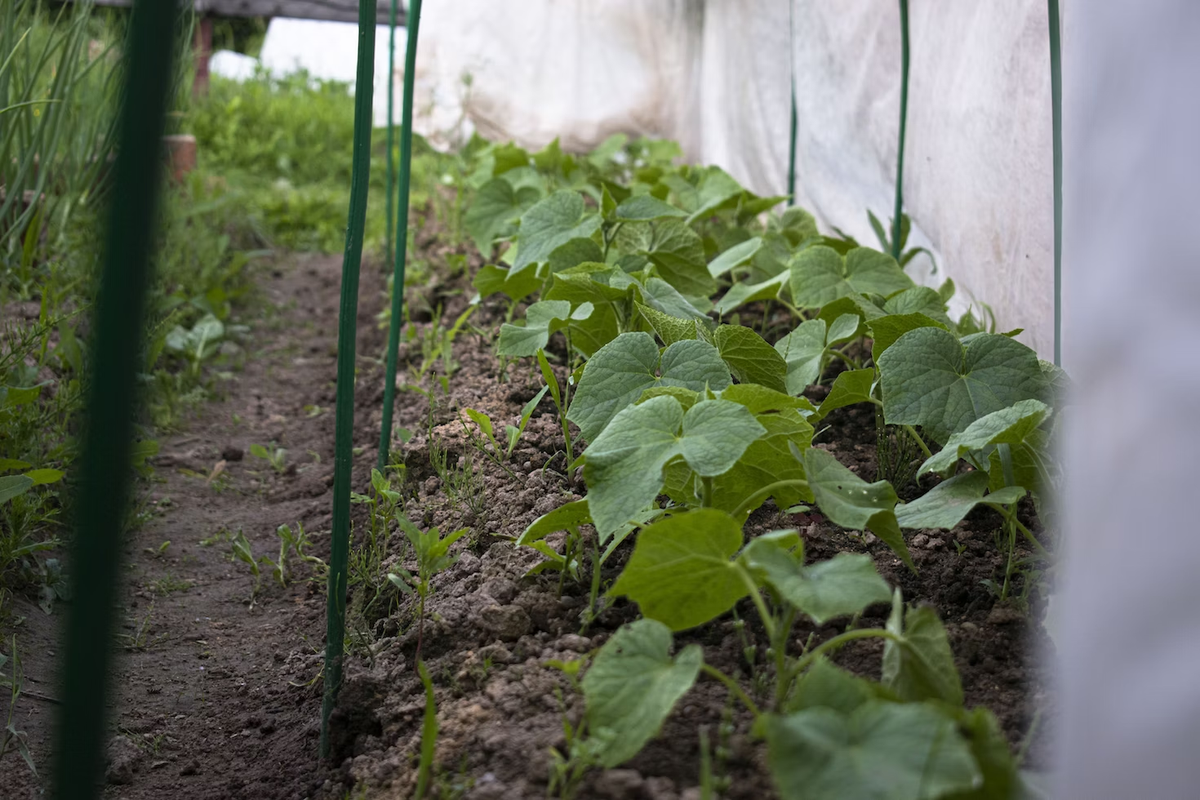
(203,49)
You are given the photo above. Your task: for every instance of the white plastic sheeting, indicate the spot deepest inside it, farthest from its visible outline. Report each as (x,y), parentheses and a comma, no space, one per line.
(1130,632)
(714,74)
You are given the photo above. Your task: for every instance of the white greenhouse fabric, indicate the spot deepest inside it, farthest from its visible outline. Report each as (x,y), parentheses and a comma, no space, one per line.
(714,74)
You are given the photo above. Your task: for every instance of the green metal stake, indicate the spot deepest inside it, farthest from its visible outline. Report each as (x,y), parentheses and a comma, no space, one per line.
(343,461)
(903,120)
(391,161)
(1056,102)
(413,21)
(105,463)
(791,190)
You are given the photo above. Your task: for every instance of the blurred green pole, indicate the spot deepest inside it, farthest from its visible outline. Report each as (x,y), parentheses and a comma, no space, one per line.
(903,121)
(116,346)
(343,458)
(413,21)
(791,190)
(1056,103)
(391,161)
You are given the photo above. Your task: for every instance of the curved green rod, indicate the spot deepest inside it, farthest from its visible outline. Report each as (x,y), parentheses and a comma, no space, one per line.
(107,440)
(391,160)
(413,21)
(343,460)
(903,123)
(1056,102)
(791,190)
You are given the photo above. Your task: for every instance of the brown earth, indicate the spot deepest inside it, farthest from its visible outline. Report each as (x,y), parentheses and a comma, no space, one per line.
(219,697)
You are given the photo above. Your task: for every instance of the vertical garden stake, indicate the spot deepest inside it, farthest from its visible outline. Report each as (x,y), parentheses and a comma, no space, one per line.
(903,119)
(391,160)
(1056,102)
(791,190)
(343,460)
(116,348)
(413,21)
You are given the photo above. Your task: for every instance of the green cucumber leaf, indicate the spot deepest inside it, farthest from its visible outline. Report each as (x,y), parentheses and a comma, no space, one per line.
(921,665)
(666,298)
(844,585)
(644,207)
(760,399)
(918,300)
(495,211)
(880,751)
(632,686)
(573,253)
(541,320)
(1007,426)
(669,329)
(946,504)
(566,517)
(678,253)
(750,358)
(735,256)
(803,350)
(681,573)
(849,387)
(741,293)
(828,686)
(886,330)
(820,275)
(932,379)
(620,371)
(853,503)
(519,285)
(550,223)
(624,464)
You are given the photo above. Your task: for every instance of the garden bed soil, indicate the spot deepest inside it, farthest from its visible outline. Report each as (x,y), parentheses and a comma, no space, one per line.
(220,698)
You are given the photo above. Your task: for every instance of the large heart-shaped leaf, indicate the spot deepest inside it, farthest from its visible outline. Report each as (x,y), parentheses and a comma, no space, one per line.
(820,275)
(622,370)
(624,464)
(633,685)
(681,572)
(853,503)
(880,751)
(932,379)
(550,223)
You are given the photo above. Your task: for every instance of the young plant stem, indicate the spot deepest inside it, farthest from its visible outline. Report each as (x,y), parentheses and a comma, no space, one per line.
(764,613)
(706,492)
(853,363)
(766,491)
(779,645)
(568,551)
(733,687)
(841,639)
(594,595)
(1028,534)
(917,438)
